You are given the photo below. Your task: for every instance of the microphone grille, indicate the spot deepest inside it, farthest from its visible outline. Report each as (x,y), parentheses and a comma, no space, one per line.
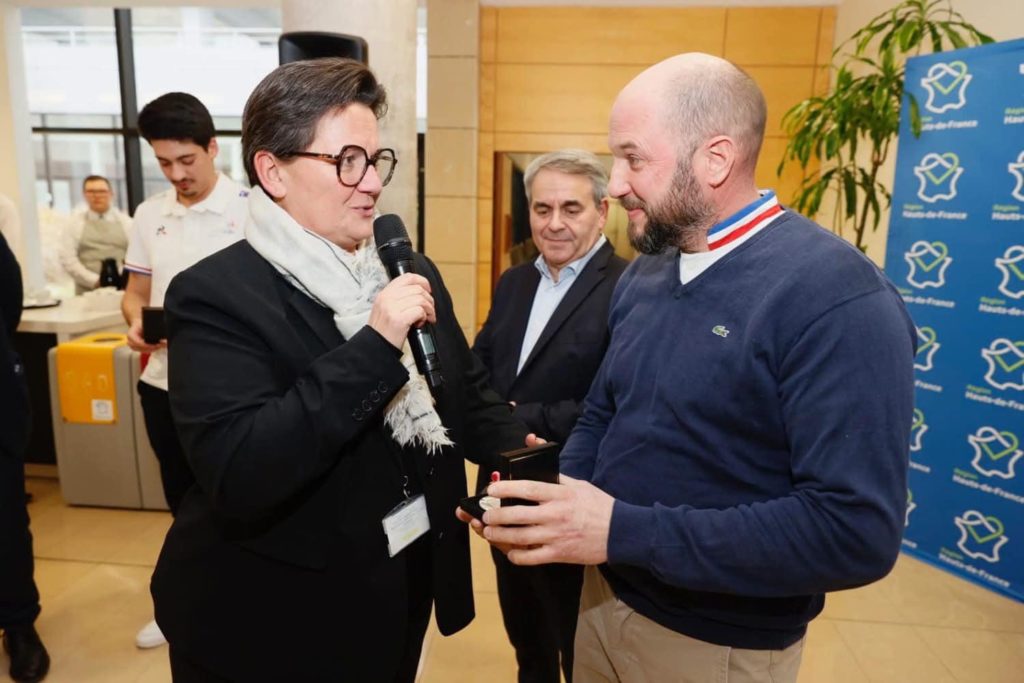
(387,228)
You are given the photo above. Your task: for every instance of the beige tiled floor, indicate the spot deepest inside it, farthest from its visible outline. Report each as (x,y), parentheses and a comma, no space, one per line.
(93,567)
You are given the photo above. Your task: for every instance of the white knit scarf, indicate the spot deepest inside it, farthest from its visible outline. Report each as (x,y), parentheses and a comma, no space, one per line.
(347,283)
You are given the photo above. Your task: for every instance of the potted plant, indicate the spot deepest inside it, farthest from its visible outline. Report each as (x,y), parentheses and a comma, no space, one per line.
(850,130)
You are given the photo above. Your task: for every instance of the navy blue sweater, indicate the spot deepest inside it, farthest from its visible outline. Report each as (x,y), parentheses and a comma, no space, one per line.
(753,427)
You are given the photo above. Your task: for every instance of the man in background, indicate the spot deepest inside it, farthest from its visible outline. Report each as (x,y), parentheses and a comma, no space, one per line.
(202,213)
(94,235)
(542,343)
(743,449)
(19,597)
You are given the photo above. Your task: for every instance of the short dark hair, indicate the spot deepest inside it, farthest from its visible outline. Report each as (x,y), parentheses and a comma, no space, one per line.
(177,116)
(283,111)
(89,179)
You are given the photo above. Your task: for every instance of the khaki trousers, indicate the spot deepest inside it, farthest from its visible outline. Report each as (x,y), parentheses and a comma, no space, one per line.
(614,644)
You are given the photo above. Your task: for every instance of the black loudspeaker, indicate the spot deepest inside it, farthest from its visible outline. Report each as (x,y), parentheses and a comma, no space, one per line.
(299,45)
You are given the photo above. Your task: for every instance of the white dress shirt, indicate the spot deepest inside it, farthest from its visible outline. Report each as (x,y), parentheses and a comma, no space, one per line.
(549,295)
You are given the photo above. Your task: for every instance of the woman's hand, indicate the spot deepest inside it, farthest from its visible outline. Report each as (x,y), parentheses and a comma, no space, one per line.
(405,302)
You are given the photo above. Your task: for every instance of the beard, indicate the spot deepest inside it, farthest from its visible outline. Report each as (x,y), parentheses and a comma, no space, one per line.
(679,221)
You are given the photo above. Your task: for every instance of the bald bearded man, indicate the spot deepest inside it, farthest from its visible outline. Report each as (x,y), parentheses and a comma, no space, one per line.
(743,449)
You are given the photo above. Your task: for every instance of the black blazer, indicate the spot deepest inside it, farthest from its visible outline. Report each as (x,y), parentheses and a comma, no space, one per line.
(549,391)
(15,422)
(276,567)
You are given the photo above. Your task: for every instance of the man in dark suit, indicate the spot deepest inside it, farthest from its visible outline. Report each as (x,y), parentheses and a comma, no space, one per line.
(19,597)
(543,342)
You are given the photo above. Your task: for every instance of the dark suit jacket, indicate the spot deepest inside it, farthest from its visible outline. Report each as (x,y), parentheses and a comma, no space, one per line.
(15,416)
(550,389)
(276,567)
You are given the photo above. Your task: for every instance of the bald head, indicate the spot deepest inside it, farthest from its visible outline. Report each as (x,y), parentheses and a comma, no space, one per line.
(702,96)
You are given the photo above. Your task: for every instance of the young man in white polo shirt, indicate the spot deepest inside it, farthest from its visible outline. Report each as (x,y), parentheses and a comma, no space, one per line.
(202,213)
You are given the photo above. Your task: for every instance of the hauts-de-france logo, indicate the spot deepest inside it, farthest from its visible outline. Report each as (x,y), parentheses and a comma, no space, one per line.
(910,508)
(946,84)
(938,175)
(927,346)
(981,536)
(1016,169)
(995,452)
(917,430)
(928,262)
(1005,360)
(1011,265)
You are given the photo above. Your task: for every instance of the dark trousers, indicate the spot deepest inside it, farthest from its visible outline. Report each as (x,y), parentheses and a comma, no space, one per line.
(175,474)
(539,606)
(420,591)
(420,585)
(19,597)
(184,670)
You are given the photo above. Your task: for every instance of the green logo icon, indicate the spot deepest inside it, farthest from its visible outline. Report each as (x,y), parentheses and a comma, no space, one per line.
(928,261)
(1008,438)
(946,85)
(952,162)
(995,452)
(992,523)
(958,69)
(917,430)
(981,535)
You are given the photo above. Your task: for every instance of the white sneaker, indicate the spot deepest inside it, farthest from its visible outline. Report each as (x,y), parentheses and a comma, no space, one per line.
(150,636)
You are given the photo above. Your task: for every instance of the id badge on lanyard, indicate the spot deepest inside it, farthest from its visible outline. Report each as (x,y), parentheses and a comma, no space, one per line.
(406,522)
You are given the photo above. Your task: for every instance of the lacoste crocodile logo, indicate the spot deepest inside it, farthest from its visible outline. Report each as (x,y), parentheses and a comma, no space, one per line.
(720,330)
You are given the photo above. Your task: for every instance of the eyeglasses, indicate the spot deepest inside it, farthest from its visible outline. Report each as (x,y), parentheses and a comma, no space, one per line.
(353,161)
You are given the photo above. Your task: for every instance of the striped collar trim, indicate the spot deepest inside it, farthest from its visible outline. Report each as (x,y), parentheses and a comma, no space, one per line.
(750,218)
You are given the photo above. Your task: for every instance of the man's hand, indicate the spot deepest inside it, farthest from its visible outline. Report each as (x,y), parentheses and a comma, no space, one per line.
(137,343)
(570,524)
(478,528)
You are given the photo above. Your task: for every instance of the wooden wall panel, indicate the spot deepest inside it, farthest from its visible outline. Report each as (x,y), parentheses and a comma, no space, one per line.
(533,98)
(783,86)
(606,35)
(486,94)
(485,166)
(549,75)
(777,36)
(488,34)
(786,185)
(548,142)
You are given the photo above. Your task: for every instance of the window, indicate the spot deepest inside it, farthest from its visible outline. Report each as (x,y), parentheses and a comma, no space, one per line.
(73,90)
(76,102)
(218,55)
(65,160)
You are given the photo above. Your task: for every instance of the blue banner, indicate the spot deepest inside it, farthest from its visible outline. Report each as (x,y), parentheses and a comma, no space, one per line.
(956,254)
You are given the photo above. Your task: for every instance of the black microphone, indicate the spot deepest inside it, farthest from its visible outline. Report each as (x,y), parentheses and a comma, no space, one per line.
(395,252)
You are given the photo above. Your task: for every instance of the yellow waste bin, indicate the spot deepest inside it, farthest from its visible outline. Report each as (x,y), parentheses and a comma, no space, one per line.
(96,424)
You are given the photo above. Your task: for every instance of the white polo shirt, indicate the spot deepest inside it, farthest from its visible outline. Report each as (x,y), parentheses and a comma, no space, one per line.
(167,237)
